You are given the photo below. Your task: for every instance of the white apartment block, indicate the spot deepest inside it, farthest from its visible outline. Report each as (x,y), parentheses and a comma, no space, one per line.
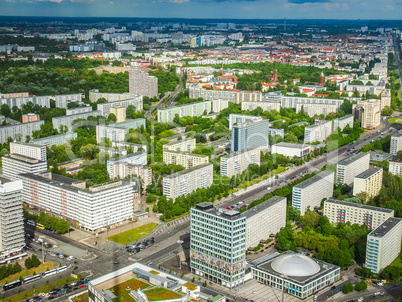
(14,165)
(187,181)
(266,106)
(236,162)
(94,208)
(140,82)
(29,150)
(184,145)
(187,160)
(12,234)
(339,211)
(59,139)
(395,167)
(67,120)
(95,95)
(135,101)
(318,132)
(342,122)
(19,131)
(316,109)
(291,149)
(264,220)
(78,110)
(396,143)
(368,113)
(276,131)
(117,132)
(123,169)
(348,168)
(63,100)
(43,101)
(138,158)
(310,193)
(237,97)
(383,245)
(235,119)
(292,101)
(369,181)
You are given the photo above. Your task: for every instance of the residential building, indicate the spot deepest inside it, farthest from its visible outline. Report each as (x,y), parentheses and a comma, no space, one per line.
(140,82)
(14,95)
(266,106)
(15,164)
(235,119)
(72,166)
(68,120)
(250,135)
(342,122)
(291,149)
(192,109)
(59,139)
(395,167)
(43,101)
(29,150)
(236,162)
(265,220)
(368,112)
(276,131)
(187,160)
(93,208)
(310,193)
(135,101)
(124,169)
(63,100)
(184,145)
(19,131)
(369,181)
(383,245)
(294,273)
(396,143)
(339,211)
(234,96)
(95,95)
(292,101)
(12,235)
(138,158)
(30,117)
(187,181)
(79,110)
(348,168)
(120,113)
(316,109)
(318,132)
(117,132)
(218,244)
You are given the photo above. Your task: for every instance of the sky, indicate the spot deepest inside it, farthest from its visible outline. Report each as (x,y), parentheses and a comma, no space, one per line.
(220,9)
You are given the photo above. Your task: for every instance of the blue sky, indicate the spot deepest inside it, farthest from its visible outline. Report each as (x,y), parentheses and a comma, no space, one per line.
(240,9)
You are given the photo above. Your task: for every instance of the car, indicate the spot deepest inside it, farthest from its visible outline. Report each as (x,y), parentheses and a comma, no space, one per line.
(180,241)
(73,284)
(269,188)
(76,262)
(115,262)
(75,267)
(333,287)
(228,208)
(82,286)
(298,178)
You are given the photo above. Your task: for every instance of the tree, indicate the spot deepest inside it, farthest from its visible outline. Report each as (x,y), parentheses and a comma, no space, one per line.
(363,196)
(5,110)
(151,198)
(362,285)
(111,118)
(387,110)
(399,155)
(311,218)
(347,288)
(88,151)
(392,273)
(293,214)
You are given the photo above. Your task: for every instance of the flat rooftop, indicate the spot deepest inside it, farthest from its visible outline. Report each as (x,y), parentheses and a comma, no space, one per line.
(233,154)
(385,227)
(369,172)
(312,180)
(186,153)
(128,124)
(352,158)
(183,172)
(292,145)
(219,212)
(179,142)
(263,206)
(251,123)
(24,158)
(345,117)
(116,159)
(358,205)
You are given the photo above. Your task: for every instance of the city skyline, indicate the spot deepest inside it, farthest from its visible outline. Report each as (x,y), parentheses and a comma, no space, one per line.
(223,9)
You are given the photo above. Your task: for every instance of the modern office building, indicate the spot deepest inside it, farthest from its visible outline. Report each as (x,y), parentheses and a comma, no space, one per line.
(294,273)
(184,145)
(265,220)
(43,101)
(383,245)
(235,119)
(117,132)
(318,132)
(59,139)
(236,162)
(250,135)
(120,113)
(187,181)
(67,120)
(218,244)
(138,158)
(348,168)
(192,109)
(310,193)
(396,143)
(93,208)
(19,131)
(63,100)
(291,149)
(29,150)
(30,117)
(395,167)
(12,235)
(339,211)
(140,82)
(369,181)
(342,122)
(135,101)
(368,112)
(124,169)
(187,160)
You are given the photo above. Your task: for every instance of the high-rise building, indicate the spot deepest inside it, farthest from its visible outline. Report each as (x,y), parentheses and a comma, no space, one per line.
(117,132)
(235,119)
(19,131)
(355,213)
(140,82)
(383,244)
(59,139)
(342,122)
(29,150)
(236,162)
(79,110)
(120,113)
(310,193)
(12,237)
(218,244)
(192,109)
(396,143)
(135,101)
(250,135)
(318,132)
(187,160)
(348,168)
(395,167)
(291,149)
(63,100)
(138,158)
(184,145)
(123,169)
(68,120)
(369,181)
(187,181)
(368,112)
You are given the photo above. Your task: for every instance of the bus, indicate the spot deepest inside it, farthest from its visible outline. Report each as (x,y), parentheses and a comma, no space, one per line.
(49,273)
(31,279)
(39,226)
(12,285)
(61,269)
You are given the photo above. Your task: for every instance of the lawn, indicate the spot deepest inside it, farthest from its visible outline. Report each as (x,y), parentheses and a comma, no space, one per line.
(82,298)
(161,293)
(25,273)
(395,120)
(397,262)
(133,234)
(121,292)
